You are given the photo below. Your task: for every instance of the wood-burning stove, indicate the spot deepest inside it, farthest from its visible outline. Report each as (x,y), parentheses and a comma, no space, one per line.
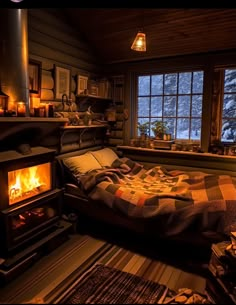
(30,202)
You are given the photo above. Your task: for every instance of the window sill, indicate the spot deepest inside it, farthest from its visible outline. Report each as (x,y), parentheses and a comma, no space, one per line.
(175,152)
(181,159)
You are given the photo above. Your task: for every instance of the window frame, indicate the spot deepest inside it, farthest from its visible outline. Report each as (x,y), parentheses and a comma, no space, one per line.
(221,94)
(207,62)
(163,73)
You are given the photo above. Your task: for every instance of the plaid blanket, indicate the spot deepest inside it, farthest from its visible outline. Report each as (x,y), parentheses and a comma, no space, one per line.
(139,192)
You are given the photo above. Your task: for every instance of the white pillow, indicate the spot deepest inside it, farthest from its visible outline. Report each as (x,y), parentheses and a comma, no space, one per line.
(105,156)
(81,164)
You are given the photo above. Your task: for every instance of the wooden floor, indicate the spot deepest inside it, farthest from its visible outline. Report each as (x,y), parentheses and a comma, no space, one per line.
(47,277)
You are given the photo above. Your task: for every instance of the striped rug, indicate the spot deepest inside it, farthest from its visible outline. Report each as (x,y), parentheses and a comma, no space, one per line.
(134,263)
(106,285)
(53,275)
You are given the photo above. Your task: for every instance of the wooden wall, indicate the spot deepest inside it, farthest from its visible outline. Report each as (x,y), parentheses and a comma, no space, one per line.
(53,42)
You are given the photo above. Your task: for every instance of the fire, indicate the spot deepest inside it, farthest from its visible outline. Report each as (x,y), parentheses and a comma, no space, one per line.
(27,182)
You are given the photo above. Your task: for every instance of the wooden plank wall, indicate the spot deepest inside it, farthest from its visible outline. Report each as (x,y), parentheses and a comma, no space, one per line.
(117,129)
(53,42)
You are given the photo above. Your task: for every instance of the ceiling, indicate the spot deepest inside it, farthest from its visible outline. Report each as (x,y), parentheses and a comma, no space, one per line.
(169,32)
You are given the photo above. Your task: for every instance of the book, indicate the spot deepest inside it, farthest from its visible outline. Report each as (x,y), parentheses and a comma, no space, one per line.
(233,234)
(233,238)
(225,255)
(231,252)
(219,249)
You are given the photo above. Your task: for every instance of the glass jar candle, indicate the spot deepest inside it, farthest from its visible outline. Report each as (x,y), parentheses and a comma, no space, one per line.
(1,111)
(21,109)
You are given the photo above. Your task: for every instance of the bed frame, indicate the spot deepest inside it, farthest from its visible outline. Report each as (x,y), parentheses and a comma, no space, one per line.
(97,212)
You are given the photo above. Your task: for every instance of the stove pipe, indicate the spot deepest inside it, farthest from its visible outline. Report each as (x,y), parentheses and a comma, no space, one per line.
(14,77)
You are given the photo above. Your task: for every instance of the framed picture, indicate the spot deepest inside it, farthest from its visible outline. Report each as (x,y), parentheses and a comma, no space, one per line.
(82,84)
(35,70)
(93,90)
(62,82)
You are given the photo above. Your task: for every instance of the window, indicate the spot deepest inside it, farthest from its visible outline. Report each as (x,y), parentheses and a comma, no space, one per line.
(175,98)
(228,129)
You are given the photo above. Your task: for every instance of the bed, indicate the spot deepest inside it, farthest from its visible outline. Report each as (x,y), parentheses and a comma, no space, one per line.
(148,200)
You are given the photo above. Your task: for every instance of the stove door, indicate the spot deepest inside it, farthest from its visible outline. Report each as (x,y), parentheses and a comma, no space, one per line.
(31,221)
(27,182)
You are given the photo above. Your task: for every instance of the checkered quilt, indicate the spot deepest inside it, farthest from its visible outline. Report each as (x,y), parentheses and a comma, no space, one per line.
(139,192)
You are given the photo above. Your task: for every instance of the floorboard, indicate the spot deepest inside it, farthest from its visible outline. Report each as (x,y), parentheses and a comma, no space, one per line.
(52,274)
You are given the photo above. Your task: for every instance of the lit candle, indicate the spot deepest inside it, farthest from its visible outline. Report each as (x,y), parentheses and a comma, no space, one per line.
(46,110)
(42,111)
(50,111)
(21,109)
(1,112)
(36,111)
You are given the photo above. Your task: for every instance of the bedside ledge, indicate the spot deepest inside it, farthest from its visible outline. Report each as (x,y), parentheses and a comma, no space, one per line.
(193,160)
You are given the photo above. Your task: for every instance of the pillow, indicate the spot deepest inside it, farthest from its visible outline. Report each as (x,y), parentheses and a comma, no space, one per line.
(81,164)
(105,156)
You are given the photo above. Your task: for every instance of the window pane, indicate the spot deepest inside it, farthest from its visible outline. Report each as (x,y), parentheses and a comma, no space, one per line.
(195,129)
(143,106)
(157,84)
(228,131)
(171,126)
(144,85)
(229,106)
(198,82)
(185,82)
(183,128)
(197,105)
(175,98)
(170,84)
(230,81)
(169,106)
(156,106)
(184,105)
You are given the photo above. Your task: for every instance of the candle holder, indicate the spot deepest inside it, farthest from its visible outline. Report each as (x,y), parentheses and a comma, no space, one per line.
(1,111)
(21,109)
(3,102)
(50,111)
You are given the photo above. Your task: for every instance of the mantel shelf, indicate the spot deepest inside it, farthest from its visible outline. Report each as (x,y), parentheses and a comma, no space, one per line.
(32,119)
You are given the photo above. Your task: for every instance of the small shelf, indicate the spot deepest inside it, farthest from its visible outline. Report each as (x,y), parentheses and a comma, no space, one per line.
(79,131)
(92,97)
(83,126)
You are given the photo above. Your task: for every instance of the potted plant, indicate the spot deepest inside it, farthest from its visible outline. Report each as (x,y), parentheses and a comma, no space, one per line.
(159,129)
(143,128)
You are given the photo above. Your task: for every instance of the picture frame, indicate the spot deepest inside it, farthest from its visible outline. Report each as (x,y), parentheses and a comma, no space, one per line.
(35,74)
(93,90)
(62,82)
(82,84)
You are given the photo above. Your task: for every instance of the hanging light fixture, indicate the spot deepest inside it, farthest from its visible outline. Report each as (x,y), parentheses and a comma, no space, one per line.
(139,43)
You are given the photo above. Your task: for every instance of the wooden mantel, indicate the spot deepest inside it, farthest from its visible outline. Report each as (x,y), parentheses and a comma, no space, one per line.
(32,119)
(36,131)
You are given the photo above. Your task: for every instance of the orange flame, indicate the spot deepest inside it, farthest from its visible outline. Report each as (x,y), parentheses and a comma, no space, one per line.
(27,182)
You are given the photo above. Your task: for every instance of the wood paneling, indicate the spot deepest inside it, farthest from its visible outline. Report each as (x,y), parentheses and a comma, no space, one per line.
(170,32)
(53,41)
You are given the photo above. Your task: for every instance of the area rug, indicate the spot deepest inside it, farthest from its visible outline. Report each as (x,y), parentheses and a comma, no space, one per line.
(107,285)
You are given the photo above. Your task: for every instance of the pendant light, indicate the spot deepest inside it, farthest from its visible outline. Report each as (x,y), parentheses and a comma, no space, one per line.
(139,43)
